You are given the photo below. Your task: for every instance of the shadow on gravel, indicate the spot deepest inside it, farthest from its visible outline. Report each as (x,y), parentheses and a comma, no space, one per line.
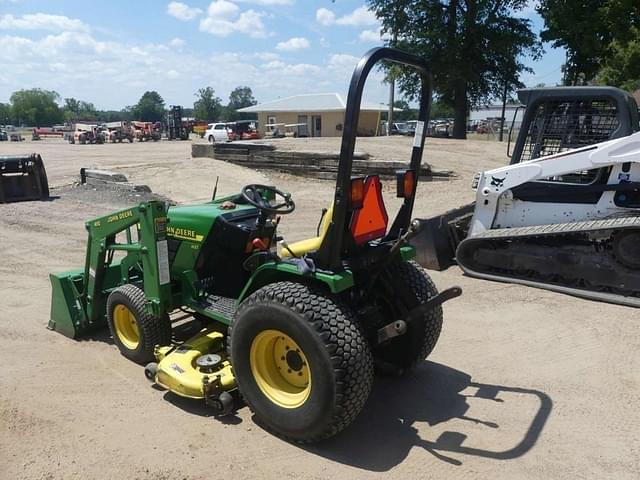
(198,407)
(383,434)
(99,335)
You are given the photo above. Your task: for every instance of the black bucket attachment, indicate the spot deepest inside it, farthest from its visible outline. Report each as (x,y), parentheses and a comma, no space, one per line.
(439,237)
(22,178)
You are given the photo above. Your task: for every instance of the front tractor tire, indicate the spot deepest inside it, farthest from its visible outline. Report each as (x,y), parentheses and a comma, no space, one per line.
(135,332)
(301,361)
(412,285)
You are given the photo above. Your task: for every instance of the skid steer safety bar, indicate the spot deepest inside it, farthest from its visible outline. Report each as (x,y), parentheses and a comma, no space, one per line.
(330,252)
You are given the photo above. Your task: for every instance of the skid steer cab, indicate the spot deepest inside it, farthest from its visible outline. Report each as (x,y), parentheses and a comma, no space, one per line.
(298,332)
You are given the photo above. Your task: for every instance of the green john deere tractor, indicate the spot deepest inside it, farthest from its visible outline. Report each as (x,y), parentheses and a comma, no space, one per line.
(296,334)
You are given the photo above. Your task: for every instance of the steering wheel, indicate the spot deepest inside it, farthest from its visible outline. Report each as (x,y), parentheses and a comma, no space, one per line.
(254,195)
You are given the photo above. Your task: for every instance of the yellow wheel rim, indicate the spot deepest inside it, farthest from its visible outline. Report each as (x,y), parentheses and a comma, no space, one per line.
(126,327)
(280,368)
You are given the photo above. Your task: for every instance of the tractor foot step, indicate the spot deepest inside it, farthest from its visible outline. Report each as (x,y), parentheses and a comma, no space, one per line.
(216,304)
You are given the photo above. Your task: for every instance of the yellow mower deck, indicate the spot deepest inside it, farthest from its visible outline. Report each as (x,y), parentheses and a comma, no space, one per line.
(178,369)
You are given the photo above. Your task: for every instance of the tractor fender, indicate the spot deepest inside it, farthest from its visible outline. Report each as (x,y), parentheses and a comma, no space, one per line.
(272,272)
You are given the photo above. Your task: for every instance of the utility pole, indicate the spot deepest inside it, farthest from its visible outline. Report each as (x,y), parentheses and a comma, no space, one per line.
(392,87)
(504,107)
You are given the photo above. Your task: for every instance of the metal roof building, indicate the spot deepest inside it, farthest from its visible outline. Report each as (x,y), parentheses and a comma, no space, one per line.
(322,113)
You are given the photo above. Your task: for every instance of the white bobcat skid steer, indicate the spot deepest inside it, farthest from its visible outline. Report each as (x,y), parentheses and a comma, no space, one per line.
(565,214)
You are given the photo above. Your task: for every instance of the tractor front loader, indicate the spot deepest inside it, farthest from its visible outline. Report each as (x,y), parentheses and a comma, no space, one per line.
(298,332)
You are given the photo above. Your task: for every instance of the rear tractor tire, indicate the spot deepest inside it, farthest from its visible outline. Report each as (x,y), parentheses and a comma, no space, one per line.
(135,332)
(301,361)
(405,352)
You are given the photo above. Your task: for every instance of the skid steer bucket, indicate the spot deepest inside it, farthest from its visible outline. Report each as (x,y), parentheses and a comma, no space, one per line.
(22,178)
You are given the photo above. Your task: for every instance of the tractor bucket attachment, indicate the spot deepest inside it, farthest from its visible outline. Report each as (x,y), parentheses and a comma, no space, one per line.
(67,314)
(22,178)
(439,237)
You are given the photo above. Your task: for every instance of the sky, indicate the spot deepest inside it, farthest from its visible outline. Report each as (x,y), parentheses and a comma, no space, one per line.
(109,53)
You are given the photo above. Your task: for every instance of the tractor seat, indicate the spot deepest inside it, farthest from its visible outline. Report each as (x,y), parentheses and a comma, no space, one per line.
(310,244)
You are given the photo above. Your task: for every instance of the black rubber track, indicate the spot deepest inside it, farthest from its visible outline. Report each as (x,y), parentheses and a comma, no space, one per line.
(409,350)
(153,330)
(335,331)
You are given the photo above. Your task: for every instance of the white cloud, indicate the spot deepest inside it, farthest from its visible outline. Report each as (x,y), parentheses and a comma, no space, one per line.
(268,2)
(369,36)
(42,21)
(223,20)
(250,22)
(266,56)
(274,64)
(113,73)
(295,43)
(360,17)
(278,67)
(342,61)
(375,36)
(177,42)
(325,17)
(182,11)
(222,9)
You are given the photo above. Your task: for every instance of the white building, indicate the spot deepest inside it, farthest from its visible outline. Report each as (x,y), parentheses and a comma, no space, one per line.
(318,114)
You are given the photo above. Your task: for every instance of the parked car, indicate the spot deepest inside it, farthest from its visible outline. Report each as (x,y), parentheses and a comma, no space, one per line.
(218,132)
(439,128)
(397,128)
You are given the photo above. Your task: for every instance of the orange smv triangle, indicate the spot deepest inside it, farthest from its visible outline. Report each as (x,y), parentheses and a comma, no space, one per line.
(370,221)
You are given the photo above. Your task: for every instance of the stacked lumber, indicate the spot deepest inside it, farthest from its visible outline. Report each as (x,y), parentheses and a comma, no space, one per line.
(324,165)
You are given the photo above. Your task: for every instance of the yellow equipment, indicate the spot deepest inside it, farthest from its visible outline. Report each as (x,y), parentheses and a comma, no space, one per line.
(197,369)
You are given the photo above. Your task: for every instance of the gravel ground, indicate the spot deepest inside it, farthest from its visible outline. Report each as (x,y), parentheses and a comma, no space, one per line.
(524,383)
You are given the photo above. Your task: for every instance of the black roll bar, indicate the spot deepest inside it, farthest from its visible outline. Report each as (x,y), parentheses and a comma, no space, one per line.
(330,252)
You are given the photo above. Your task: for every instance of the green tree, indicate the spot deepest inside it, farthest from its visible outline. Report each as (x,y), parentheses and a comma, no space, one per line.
(406,113)
(207,107)
(241,97)
(441,110)
(150,107)
(114,115)
(36,107)
(474,47)
(5,114)
(622,65)
(74,110)
(589,31)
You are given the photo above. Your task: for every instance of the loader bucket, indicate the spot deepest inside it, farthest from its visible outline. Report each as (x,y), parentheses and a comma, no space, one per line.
(439,237)
(69,303)
(67,313)
(23,178)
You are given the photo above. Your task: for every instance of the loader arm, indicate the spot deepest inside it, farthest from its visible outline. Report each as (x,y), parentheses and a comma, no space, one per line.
(150,250)
(494,183)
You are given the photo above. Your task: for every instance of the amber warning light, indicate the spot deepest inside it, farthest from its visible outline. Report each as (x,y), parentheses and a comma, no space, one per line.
(357,193)
(406,183)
